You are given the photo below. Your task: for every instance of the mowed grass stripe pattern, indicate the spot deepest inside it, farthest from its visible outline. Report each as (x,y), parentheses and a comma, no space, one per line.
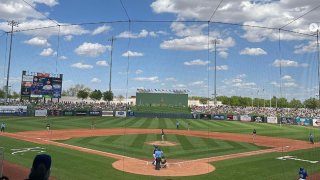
(188,147)
(16,124)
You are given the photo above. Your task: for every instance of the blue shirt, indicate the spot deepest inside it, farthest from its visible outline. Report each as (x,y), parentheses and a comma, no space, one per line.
(158,154)
(3,125)
(303,174)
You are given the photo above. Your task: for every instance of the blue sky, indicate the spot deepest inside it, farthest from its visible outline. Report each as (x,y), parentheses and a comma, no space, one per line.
(165,55)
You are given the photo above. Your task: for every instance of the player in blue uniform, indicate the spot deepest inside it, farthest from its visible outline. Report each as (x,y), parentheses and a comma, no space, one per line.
(303,174)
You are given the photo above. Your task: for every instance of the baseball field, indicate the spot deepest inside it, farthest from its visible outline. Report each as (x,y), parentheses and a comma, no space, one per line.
(121,148)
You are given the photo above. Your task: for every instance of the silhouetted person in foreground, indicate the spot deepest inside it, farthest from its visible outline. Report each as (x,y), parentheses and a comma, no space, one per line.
(40,168)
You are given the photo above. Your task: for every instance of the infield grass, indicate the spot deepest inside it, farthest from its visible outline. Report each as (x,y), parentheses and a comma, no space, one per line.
(188,147)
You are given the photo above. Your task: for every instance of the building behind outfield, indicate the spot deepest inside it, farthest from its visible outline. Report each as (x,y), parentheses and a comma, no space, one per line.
(162,99)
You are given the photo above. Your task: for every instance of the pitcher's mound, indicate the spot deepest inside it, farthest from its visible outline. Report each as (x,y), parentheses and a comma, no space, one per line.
(136,166)
(162,143)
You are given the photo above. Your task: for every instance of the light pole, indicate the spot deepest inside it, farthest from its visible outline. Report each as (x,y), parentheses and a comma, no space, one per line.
(110,75)
(215,41)
(12,23)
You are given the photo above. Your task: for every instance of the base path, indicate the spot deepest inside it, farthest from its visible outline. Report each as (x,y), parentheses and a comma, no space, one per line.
(176,168)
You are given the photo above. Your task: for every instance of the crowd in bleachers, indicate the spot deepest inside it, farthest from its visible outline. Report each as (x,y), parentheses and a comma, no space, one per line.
(220,109)
(265,111)
(68,105)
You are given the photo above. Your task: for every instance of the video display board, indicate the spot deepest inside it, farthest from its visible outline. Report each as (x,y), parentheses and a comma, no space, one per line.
(41,85)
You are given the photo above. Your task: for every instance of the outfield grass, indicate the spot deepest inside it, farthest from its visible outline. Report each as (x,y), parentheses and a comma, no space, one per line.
(188,147)
(70,164)
(16,124)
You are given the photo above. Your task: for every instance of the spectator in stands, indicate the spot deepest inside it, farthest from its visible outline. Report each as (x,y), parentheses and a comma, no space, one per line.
(40,168)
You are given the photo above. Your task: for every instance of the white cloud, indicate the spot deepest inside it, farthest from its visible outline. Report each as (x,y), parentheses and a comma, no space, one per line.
(91,49)
(182,30)
(45,32)
(306,48)
(95,80)
(197,62)
(196,43)
(222,68)
(47,52)
(179,86)
(139,71)
(271,13)
(80,65)
(19,10)
(171,79)
(68,38)
(132,54)
(38,41)
(253,51)
(197,83)
(288,63)
(126,34)
(147,79)
(101,29)
(102,63)
(63,57)
(290,84)
(240,82)
(287,78)
(223,54)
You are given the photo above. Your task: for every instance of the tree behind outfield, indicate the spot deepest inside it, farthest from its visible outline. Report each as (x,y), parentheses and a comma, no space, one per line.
(295,103)
(82,94)
(311,103)
(2,93)
(108,96)
(95,95)
(73,90)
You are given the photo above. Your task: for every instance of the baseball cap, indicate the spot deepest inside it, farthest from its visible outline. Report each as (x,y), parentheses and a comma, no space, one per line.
(42,159)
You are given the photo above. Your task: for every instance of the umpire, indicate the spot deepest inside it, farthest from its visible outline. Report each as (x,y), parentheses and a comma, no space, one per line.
(158,155)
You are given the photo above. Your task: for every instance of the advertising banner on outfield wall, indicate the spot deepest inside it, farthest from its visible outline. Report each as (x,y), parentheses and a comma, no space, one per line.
(68,113)
(205,116)
(94,113)
(287,120)
(40,112)
(316,122)
(231,117)
(245,118)
(55,113)
(272,120)
(107,113)
(303,121)
(81,113)
(13,110)
(218,116)
(121,114)
(258,119)
(130,114)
